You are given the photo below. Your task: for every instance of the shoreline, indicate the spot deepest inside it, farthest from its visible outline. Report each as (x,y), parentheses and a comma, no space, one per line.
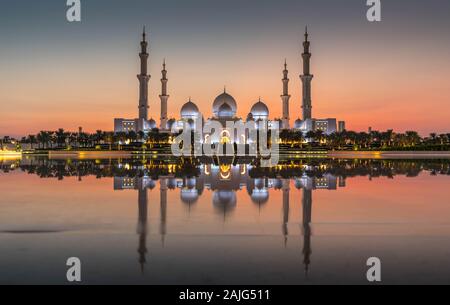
(293,155)
(390,154)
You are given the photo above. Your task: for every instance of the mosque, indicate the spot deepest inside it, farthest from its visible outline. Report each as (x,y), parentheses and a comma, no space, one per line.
(224,108)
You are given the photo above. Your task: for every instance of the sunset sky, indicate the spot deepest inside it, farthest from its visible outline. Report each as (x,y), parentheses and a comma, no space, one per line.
(392,74)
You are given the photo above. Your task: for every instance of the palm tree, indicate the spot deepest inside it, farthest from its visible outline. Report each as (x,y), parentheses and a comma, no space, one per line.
(412,138)
(61,137)
(44,139)
(443,138)
(141,135)
(132,136)
(32,141)
(109,138)
(98,137)
(433,137)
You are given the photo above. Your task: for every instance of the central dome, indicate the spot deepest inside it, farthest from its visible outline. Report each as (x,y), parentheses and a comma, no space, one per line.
(224,100)
(225,111)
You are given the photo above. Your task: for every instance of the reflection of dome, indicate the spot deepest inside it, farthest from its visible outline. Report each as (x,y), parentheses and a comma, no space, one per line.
(151,184)
(260,183)
(278,184)
(224,99)
(171,184)
(189,111)
(298,183)
(224,198)
(260,111)
(190,183)
(298,124)
(189,196)
(152,124)
(260,196)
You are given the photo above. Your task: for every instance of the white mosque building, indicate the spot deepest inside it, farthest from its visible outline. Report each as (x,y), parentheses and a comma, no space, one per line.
(224,108)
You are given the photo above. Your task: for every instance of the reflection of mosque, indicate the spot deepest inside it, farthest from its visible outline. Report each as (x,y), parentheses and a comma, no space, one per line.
(224,181)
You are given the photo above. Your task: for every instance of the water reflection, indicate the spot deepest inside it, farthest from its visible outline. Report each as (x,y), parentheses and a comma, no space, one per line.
(224,181)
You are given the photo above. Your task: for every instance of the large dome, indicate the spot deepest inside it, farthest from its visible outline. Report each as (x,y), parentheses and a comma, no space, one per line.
(260,111)
(224,99)
(225,111)
(189,111)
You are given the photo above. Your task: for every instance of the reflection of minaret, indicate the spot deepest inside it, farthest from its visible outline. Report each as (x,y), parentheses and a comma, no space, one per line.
(306,79)
(163,199)
(142,225)
(286,190)
(143,80)
(307,210)
(164,97)
(285,98)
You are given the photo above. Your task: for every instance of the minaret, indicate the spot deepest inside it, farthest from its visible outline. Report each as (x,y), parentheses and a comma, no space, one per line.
(306,79)
(143,80)
(285,98)
(164,97)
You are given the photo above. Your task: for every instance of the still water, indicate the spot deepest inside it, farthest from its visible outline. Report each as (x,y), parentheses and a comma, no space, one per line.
(166,222)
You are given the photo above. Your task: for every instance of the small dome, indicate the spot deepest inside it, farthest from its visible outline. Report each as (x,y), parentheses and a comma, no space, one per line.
(260,111)
(152,124)
(298,124)
(189,111)
(170,124)
(222,99)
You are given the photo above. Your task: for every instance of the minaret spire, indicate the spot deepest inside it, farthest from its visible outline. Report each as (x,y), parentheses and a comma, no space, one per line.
(164,97)
(306,79)
(285,97)
(143,78)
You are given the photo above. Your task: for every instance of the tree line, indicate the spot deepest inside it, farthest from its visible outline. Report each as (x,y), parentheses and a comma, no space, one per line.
(346,140)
